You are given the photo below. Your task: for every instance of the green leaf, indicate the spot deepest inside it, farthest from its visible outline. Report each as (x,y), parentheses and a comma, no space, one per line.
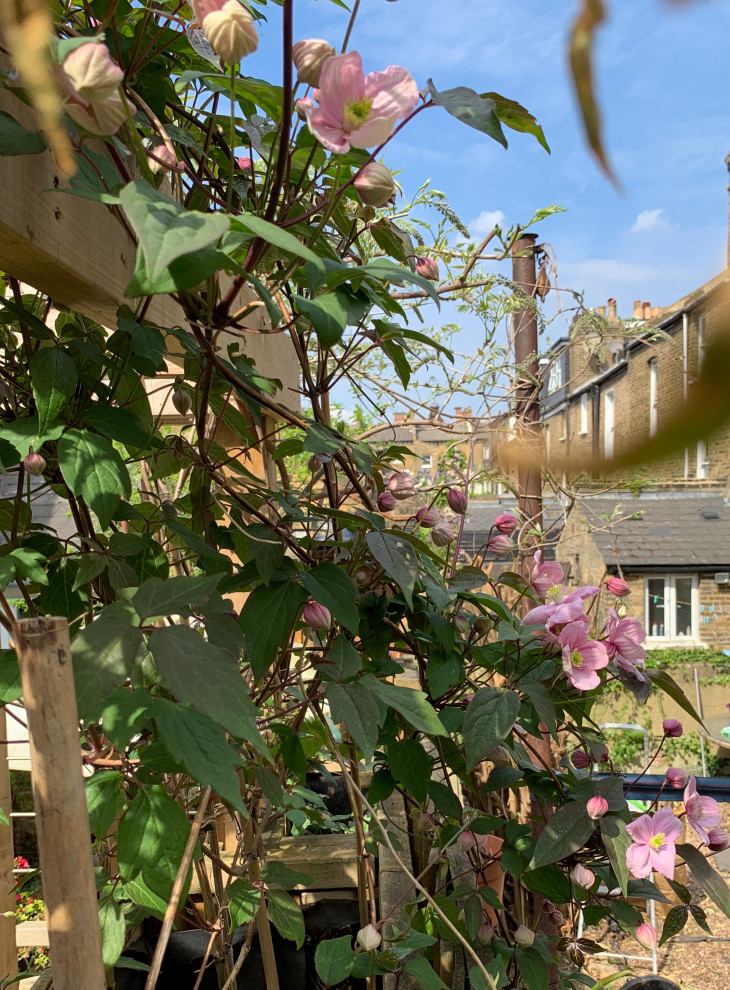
(680,890)
(412,705)
(57,596)
(113,930)
(286,915)
(272,234)
(343,661)
(10,687)
(426,977)
(535,974)
(617,841)
(153,832)
(711,881)
(244,900)
(183,596)
(550,881)
(355,705)
(123,715)
(541,702)
(674,922)
(331,312)
(104,800)
(92,468)
(282,876)
(16,140)
(104,654)
(394,241)
(663,680)
(700,917)
(332,587)
(205,677)
(410,765)
(24,434)
(280,603)
(397,558)
(201,747)
(444,799)
(54,378)
(136,890)
(166,232)
(516,117)
(90,566)
(4,820)
(470,108)
(334,959)
(488,720)
(580,51)
(126,962)
(121,425)
(566,832)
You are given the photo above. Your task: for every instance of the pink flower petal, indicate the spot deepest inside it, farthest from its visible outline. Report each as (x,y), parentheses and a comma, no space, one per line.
(637,860)
(641,829)
(662,860)
(373,132)
(393,92)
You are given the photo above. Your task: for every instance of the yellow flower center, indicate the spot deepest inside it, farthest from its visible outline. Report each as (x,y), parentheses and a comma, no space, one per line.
(657,841)
(555,593)
(357,114)
(576,659)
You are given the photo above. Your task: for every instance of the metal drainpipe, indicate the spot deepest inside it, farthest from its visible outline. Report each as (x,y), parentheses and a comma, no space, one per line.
(596,416)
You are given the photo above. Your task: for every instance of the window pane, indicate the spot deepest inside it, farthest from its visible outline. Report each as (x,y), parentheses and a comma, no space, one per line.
(656,607)
(683,613)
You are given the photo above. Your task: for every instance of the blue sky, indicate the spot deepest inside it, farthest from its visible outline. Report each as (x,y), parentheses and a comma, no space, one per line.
(662,75)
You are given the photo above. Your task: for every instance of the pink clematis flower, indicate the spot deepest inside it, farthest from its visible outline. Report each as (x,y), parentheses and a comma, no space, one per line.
(356,110)
(703,813)
(623,639)
(653,844)
(581,657)
(545,575)
(561,606)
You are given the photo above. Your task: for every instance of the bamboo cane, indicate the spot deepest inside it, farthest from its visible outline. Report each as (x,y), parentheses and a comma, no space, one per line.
(8,950)
(62,821)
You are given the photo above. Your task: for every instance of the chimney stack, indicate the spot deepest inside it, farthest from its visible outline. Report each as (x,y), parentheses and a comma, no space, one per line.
(601,310)
(457,412)
(399,418)
(638,311)
(647,310)
(656,310)
(612,309)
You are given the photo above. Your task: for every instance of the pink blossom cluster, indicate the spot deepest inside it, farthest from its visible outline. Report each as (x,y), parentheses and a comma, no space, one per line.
(654,836)
(568,626)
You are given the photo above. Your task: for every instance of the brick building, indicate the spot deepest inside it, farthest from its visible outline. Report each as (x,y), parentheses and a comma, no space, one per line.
(673,549)
(615,383)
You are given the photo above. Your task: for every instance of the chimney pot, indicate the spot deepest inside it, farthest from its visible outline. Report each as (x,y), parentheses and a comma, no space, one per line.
(638,312)
(612,309)
(647,310)
(457,410)
(656,310)
(467,411)
(601,310)
(399,418)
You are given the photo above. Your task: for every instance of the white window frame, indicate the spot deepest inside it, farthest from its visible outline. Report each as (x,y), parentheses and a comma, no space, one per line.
(671,636)
(555,378)
(609,424)
(653,397)
(583,414)
(426,462)
(702,467)
(700,342)
(486,453)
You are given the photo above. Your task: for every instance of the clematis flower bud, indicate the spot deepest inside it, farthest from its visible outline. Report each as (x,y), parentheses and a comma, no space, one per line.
(597,806)
(34,464)
(103,117)
(375,185)
(646,935)
(618,587)
(582,876)
(483,625)
(442,534)
(676,778)
(181,400)
(524,936)
(401,485)
(302,106)
(672,728)
(506,523)
(460,622)
(427,268)
(309,56)
(369,938)
(231,32)
(718,839)
(162,154)
(386,501)
(244,163)
(579,759)
(485,933)
(457,500)
(428,516)
(604,755)
(466,841)
(499,544)
(556,917)
(92,73)
(316,616)
(425,822)
(498,756)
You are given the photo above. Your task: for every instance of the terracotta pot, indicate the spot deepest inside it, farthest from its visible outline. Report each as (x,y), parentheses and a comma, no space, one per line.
(491,875)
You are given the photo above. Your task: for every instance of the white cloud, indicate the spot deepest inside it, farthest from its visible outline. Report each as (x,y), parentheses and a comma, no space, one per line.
(648,220)
(487,219)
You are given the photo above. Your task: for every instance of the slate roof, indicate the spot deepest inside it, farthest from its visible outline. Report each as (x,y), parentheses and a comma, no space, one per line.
(481,515)
(668,530)
(47,508)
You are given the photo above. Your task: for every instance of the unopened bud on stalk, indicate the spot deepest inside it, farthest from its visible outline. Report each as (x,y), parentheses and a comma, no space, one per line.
(676,777)
(368,938)
(181,400)
(386,501)
(506,523)
(427,268)
(483,625)
(485,933)
(427,517)
(618,587)
(457,500)
(460,622)
(34,464)
(646,935)
(163,160)
(672,727)
(231,32)
(401,485)
(597,806)
(466,841)
(718,839)
(500,545)
(92,72)
(309,57)
(582,876)
(425,822)
(442,534)
(316,616)
(375,185)
(524,936)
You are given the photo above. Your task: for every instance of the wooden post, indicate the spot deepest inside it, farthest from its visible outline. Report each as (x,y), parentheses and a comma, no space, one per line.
(62,821)
(8,950)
